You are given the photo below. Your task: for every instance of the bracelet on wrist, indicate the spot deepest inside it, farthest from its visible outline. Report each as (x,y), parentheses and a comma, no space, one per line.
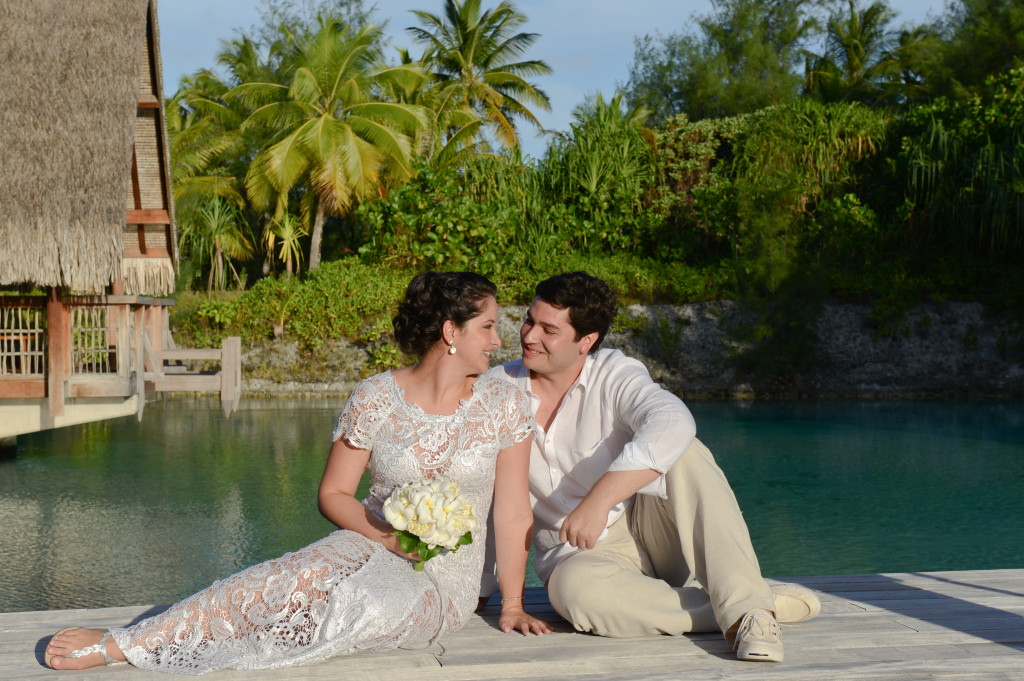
(512,598)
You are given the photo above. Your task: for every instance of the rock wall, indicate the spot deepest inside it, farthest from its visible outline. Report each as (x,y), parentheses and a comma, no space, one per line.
(950,350)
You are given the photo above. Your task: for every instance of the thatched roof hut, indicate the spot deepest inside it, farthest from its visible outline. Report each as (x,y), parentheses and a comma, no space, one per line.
(83,149)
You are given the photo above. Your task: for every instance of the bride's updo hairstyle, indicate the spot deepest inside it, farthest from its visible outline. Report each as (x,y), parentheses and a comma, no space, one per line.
(433,298)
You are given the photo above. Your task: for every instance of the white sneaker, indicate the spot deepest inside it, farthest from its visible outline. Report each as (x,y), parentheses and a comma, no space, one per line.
(795,603)
(759,638)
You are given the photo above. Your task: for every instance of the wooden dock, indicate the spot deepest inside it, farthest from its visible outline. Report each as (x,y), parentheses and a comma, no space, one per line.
(940,625)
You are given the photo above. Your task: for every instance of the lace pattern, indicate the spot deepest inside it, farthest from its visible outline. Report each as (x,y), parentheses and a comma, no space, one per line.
(347,593)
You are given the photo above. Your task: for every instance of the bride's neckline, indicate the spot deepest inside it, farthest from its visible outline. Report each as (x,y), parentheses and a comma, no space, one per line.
(417,408)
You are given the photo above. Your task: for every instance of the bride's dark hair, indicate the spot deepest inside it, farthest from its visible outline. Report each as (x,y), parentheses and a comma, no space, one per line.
(433,298)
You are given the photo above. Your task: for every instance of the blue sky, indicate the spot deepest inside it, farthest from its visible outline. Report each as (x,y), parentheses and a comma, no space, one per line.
(587,43)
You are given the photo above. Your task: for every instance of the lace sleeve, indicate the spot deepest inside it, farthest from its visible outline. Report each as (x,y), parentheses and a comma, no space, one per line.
(515,422)
(363,413)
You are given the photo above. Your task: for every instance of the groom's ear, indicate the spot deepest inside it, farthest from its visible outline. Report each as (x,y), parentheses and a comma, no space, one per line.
(587,342)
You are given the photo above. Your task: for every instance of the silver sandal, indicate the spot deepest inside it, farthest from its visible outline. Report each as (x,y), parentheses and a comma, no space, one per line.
(100,648)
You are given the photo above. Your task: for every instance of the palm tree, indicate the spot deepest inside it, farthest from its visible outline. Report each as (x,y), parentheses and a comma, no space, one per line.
(198,147)
(216,234)
(861,57)
(333,137)
(473,57)
(288,232)
(450,136)
(209,151)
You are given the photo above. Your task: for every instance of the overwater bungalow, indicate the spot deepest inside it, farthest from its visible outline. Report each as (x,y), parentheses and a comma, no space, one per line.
(87,232)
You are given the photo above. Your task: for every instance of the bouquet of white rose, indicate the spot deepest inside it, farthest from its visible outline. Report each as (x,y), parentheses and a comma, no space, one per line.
(430,515)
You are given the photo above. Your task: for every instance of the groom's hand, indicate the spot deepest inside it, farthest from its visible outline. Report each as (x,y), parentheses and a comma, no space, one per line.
(582,527)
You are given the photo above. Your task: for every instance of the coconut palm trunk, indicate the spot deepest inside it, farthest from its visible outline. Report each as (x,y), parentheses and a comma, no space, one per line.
(316,237)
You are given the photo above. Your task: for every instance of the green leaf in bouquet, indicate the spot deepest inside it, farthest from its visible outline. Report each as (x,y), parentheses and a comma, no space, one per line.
(428,553)
(407,540)
(467,538)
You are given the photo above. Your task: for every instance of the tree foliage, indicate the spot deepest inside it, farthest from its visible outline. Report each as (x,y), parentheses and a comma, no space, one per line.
(742,58)
(216,234)
(964,169)
(983,38)
(897,161)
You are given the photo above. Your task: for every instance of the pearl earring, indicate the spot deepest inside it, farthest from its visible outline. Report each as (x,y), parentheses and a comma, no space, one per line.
(451,350)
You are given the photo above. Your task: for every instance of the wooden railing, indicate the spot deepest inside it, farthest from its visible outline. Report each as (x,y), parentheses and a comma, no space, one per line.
(22,338)
(172,377)
(84,347)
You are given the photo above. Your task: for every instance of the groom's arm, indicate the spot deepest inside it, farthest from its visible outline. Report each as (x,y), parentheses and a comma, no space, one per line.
(662,428)
(588,520)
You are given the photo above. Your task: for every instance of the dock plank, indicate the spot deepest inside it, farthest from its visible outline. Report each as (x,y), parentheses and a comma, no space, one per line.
(946,626)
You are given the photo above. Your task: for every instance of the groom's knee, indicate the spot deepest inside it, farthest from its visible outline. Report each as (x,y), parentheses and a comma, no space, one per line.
(581,589)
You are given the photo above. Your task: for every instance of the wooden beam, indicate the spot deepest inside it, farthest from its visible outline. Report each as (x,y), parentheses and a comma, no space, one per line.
(190,354)
(148,101)
(139,386)
(99,386)
(199,383)
(23,301)
(150,253)
(151,216)
(136,189)
(22,388)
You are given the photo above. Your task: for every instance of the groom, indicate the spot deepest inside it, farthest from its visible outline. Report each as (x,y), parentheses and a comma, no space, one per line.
(637,531)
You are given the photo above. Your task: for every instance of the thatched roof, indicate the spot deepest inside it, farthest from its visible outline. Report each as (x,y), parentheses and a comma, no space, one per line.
(69,94)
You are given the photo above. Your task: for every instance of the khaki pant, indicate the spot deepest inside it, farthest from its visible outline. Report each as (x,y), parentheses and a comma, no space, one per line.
(668,566)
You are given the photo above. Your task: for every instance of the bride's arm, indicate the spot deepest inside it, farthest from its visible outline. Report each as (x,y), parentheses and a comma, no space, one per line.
(513,526)
(337,496)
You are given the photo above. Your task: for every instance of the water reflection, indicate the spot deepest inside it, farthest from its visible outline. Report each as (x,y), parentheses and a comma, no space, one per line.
(121,512)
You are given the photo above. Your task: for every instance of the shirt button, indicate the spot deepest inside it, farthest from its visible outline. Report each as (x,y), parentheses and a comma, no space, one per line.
(554,471)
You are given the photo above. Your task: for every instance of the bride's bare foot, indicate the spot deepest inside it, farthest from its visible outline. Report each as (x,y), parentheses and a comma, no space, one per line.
(60,649)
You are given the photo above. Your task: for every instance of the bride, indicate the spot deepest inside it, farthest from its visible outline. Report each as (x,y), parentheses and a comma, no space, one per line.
(356,590)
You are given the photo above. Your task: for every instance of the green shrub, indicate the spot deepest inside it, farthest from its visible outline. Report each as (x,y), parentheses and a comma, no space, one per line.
(342,299)
(963,169)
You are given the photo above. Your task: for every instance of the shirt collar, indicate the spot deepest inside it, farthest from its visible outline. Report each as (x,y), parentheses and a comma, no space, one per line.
(583,380)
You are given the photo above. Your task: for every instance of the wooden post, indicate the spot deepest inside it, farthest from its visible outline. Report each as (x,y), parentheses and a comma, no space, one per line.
(139,387)
(155,330)
(58,341)
(123,342)
(230,373)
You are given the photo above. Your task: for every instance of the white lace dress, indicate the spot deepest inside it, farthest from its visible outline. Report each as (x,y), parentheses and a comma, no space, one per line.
(347,593)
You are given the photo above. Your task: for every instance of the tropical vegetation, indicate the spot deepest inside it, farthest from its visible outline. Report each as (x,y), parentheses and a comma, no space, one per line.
(775,153)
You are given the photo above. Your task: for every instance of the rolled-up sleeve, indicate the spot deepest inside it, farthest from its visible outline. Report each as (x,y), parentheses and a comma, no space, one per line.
(661,424)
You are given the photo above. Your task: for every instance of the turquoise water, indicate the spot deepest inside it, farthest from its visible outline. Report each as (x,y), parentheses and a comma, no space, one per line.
(854,487)
(122,512)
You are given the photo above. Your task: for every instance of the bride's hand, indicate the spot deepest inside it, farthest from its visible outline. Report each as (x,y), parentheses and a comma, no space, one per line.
(516,619)
(394,547)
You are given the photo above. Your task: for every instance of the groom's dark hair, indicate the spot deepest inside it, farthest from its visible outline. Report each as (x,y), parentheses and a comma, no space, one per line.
(590,302)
